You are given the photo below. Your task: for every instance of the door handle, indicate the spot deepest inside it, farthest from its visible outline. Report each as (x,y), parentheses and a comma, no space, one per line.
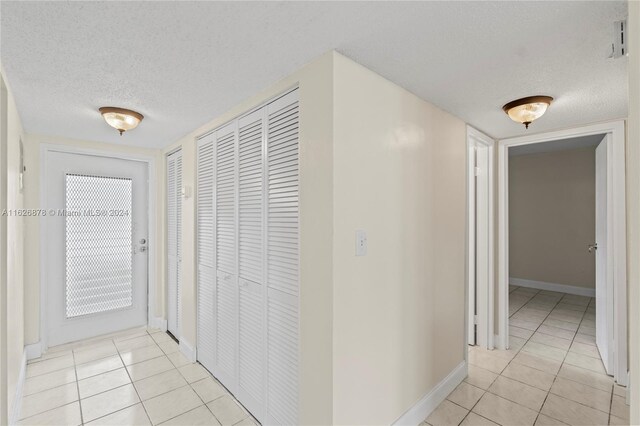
(143,249)
(592,247)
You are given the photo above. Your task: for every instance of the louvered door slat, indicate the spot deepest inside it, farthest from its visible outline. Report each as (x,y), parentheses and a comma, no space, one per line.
(205,252)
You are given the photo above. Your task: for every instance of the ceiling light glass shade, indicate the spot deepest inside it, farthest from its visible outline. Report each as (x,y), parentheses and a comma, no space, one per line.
(121,119)
(528,109)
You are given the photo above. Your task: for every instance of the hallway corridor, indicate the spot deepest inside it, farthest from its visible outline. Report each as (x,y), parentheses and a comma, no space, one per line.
(551,375)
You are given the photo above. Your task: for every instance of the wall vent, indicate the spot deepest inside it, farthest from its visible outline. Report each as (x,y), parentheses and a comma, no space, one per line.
(619,46)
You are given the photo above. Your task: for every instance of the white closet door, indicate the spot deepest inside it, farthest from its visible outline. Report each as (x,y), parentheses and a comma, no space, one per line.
(226,255)
(282,260)
(251,339)
(205,237)
(174,240)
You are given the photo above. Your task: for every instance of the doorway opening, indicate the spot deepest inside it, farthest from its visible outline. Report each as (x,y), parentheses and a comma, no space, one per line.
(562,251)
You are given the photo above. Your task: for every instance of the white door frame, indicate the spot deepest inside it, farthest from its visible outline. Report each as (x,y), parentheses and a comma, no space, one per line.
(480,236)
(153,247)
(617,222)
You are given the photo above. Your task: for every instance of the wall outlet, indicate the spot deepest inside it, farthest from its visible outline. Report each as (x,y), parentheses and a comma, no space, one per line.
(361,243)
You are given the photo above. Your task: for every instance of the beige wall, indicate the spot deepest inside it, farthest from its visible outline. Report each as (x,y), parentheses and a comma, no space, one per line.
(633,207)
(13,346)
(32,146)
(316,102)
(552,217)
(399,174)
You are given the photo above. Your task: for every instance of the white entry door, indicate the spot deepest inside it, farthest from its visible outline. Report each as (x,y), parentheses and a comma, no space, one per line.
(96,245)
(604,271)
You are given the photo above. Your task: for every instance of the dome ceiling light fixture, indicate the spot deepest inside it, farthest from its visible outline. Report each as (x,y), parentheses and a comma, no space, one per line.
(121,119)
(526,110)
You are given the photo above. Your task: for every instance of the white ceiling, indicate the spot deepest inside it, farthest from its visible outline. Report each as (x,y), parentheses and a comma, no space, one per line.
(183,63)
(559,145)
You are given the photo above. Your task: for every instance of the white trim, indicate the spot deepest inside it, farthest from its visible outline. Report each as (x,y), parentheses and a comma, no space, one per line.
(16,405)
(153,249)
(429,402)
(33,350)
(561,288)
(188,350)
(485,287)
(616,165)
(159,323)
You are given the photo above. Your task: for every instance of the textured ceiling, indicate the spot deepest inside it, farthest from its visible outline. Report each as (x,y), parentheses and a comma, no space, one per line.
(559,145)
(184,63)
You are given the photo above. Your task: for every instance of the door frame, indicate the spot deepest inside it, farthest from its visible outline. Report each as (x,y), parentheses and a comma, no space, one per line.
(153,249)
(617,252)
(484,289)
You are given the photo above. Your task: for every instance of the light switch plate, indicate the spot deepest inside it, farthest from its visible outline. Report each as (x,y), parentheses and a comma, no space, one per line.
(361,243)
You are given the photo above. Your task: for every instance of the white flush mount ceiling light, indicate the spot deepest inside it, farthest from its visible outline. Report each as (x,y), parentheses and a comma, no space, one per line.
(527,109)
(121,119)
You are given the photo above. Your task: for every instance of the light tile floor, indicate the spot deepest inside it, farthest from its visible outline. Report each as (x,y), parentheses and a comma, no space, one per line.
(552,375)
(137,377)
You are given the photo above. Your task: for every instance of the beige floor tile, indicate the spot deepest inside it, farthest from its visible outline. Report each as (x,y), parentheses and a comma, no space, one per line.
(208,389)
(197,416)
(557,332)
(171,404)
(137,342)
(523,333)
(177,359)
(614,420)
(103,382)
(130,416)
(129,334)
(134,356)
(50,355)
(568,316)
(545,351)
(585,338)
(572,413)
(145,369)
(556,342)
(159,384)
(480,377)
(518,392)
(584,361)
(466,395)
(561,324)
(48,400)
(578,392)
(66,415)
(99,366)
(543,420)
(620,390)
(193,372)
(585,349)
(108,402)
(546,365)
(619,407)
(529,325)
(49,365)
(161,337)
(568,306)
(515,344)
(488,361)
(530,376)
(589,331)
(169,347)
(228,412)
(586,377)
(247,421)
(49,380)
(503,411)
(83,355)
(473,419)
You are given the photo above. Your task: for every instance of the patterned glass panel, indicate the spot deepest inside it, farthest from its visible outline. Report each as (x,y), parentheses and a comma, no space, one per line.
(99,244)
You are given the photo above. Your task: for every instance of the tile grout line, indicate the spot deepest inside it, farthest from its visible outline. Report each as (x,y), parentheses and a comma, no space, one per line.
(75,372)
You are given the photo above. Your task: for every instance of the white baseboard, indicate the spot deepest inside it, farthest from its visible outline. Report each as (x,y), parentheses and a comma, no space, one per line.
(159,323)
(188,350)
(16,405)
(33,350)
(425,406)
(561,288)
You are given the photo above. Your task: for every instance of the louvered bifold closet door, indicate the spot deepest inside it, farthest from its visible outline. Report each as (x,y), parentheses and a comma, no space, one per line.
(174,225)
(282,260)
(226,307)
(205,240)
(251,339)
